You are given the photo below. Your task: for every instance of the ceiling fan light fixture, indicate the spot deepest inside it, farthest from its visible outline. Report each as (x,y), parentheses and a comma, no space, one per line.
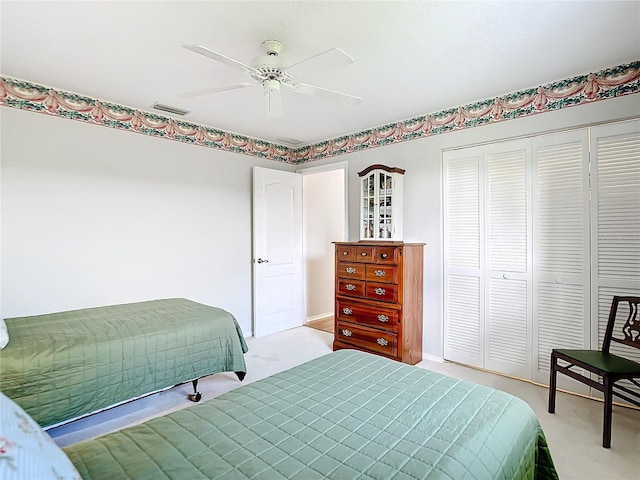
(271,85)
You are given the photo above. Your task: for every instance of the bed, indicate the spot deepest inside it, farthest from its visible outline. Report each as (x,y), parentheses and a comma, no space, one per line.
(346,415)
(62,366)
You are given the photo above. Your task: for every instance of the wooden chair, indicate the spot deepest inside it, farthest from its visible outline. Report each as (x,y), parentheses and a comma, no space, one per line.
(609,367)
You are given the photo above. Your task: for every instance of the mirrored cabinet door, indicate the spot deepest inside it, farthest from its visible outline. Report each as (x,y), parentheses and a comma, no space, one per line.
(368,200)
(381,203)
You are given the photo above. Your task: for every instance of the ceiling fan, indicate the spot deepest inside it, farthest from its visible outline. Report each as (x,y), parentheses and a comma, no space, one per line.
(273,71)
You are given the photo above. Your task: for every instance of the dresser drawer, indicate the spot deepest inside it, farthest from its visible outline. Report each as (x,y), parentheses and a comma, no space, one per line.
(369,315)
(382,273)
(345,253)
(387,255)
(351,270)
(365,254)
(382,292)
(353,288)
(368,338)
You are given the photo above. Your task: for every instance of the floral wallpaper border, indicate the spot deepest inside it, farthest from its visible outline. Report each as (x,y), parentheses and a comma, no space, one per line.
(39,98)
(608,83)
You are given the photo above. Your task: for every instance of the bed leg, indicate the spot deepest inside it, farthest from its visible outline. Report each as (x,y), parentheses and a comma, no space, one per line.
(241,375)
(196,395)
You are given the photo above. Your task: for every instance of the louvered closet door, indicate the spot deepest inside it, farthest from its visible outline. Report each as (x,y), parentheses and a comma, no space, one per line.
(615,170)
(463,293)
(561,248)
(508,308)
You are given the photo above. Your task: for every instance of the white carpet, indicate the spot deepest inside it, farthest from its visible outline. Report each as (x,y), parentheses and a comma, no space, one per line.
(574,432)
(266,356)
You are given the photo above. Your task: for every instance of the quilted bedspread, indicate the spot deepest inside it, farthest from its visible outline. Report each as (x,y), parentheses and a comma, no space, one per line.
(347,415)
(64,365)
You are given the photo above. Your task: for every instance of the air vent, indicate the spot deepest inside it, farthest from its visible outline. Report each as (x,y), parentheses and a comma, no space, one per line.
(169,109)
(289,141)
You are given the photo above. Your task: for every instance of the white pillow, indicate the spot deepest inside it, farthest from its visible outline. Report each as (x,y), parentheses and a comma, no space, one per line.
(4,334)
(26,451)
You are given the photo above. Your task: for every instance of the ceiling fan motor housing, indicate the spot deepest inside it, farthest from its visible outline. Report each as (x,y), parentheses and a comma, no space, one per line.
(271,66)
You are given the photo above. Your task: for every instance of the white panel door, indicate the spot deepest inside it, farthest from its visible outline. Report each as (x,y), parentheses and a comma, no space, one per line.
(561,248)
(277,251)
(463,242)
(615,170)
(507,273)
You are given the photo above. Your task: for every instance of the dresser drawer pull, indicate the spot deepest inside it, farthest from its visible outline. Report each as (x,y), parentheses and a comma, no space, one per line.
(364,254)
(347,311)
(379,291)
(383,342)
(350,286)
(380,273)
(383,318)
(384,255)
(345,253)
(347,333)
(350,270)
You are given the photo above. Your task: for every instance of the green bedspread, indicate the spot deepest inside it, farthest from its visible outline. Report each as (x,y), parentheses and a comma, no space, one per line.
(347,415)
(64,365)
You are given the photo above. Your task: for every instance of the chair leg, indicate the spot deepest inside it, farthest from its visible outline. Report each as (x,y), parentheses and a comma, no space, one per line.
(608,407)
(552,383)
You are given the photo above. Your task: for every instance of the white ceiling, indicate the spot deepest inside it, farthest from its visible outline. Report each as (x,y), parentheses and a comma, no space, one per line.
(411,58)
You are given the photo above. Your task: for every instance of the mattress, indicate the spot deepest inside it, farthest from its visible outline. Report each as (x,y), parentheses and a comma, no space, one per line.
(64,365)
(347,415)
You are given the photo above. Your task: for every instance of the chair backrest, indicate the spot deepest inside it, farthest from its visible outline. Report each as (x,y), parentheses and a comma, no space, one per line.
(624,314)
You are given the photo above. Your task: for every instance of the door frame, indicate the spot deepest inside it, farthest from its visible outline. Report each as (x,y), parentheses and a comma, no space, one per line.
(343,165)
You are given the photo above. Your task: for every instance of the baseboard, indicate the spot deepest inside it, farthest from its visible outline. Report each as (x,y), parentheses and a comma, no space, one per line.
(322,316)
(432,358)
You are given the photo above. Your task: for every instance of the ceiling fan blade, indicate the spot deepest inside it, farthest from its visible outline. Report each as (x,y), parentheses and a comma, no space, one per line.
(209,91)
(272,103)
(314,91)
(330,59)
(221,58)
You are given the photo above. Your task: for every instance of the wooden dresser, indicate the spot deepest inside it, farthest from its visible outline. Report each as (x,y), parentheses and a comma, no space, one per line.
(378,303)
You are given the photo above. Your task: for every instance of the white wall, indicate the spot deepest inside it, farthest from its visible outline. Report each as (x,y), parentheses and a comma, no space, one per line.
(94,216)
(422,160)
(324,215)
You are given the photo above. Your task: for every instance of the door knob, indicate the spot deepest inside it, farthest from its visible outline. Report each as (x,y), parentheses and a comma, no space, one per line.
(262,261)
